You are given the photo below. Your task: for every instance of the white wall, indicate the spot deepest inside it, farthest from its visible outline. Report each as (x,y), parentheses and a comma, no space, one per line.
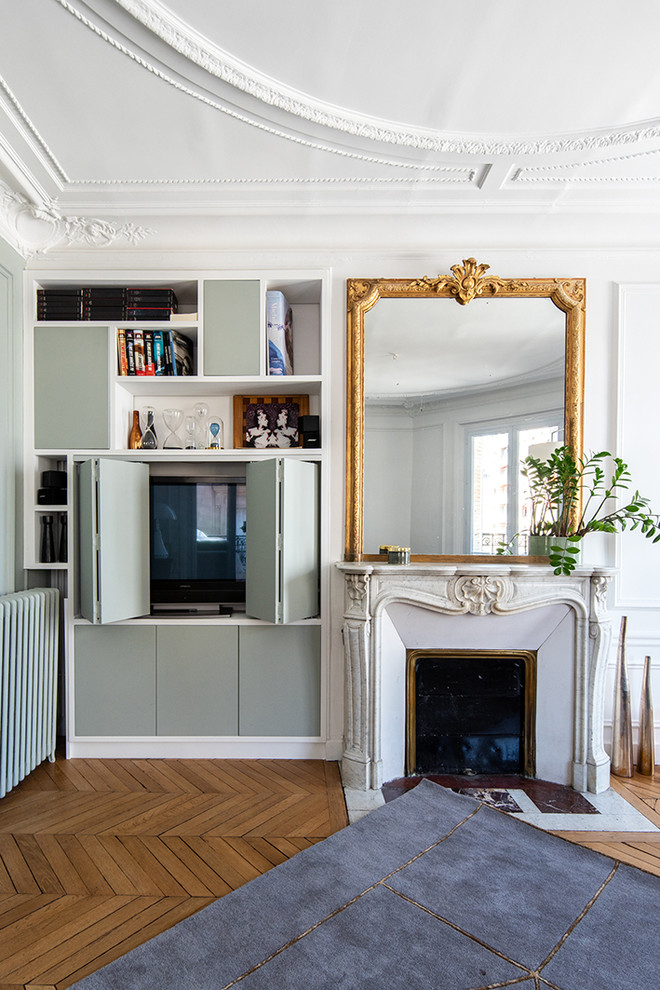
(11,266)
(607,253)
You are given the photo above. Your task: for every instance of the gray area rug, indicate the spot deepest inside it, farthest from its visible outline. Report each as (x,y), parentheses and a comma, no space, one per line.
(433,891)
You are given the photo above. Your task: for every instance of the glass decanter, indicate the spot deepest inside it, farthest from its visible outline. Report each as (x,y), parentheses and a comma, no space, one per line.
(201,417)
(190,427)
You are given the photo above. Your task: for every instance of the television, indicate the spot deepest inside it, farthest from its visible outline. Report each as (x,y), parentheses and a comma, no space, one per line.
(197,544)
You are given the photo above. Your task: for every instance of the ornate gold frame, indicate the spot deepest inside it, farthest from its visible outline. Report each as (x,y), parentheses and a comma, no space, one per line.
(467,281)
(529,726)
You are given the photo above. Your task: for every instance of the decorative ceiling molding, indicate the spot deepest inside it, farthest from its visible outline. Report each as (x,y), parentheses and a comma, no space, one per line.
(449,175)
(36,140)
(542,174)
(224,66)
(244,118)
(34,230)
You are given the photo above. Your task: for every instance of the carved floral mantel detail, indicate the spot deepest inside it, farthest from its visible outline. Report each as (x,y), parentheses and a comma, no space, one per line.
(480,595)
(472,590)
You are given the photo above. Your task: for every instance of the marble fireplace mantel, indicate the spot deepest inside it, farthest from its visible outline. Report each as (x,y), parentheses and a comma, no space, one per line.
(498,601)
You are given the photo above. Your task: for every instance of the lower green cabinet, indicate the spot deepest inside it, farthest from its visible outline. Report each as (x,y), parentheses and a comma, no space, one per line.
(186,680)
(115,693)
(197,681)
(280,681)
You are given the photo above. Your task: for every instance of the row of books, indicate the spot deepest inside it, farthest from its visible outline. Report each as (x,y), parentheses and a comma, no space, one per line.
(154,352)
(108,302)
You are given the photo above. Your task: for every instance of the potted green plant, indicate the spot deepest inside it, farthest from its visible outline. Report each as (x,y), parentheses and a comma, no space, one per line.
(572,496)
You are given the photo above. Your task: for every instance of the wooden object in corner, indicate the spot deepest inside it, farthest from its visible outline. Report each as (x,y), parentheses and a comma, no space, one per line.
(241,402)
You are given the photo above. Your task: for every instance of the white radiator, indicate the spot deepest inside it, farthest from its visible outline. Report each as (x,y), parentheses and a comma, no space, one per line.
(29,629)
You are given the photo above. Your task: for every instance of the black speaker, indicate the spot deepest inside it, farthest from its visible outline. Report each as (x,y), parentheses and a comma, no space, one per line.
(308,427)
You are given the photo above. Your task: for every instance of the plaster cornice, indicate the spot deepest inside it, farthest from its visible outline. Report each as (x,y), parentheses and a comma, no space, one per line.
(223,65)
(34,229)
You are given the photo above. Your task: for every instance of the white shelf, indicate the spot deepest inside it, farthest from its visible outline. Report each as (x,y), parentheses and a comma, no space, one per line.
(209,385)
(200,456)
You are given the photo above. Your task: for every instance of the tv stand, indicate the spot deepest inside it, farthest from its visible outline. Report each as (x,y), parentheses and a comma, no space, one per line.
(192,610)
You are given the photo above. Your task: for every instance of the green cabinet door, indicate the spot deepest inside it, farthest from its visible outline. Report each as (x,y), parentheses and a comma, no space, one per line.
(282,572)
(115,692)
(280,681)
(113,539)
(71,398)
(197,680)
(232,327)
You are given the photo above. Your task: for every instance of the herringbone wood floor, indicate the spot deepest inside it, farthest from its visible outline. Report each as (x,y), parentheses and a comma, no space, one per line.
(641,849)
(97,856)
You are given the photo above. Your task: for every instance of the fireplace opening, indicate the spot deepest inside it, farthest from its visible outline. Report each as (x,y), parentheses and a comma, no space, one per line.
(470,712)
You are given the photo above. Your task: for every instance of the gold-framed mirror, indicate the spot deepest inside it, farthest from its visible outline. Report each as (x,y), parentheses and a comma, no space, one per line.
(450,382)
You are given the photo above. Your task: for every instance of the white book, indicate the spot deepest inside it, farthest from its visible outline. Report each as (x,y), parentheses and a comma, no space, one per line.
(279,317)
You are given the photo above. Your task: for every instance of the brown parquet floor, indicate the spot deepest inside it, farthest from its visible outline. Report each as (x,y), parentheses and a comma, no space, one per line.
(641,849)
(97,856)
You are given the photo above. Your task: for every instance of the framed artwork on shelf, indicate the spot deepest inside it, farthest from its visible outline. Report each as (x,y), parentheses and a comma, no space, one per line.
(262,421)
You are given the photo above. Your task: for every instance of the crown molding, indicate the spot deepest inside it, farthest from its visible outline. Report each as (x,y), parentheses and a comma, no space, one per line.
(196,48)
(33,229)
(565,172)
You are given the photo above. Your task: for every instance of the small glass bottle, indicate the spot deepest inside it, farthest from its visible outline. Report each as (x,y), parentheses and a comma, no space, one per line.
(135,436)
(47,554)
(190,426)
(149,439)
(201,415)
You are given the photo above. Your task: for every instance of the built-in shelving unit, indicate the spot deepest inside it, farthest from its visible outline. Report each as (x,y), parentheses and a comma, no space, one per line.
(78,407)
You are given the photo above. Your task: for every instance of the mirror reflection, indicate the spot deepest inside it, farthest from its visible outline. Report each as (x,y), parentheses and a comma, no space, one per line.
(445,400)
(454,396)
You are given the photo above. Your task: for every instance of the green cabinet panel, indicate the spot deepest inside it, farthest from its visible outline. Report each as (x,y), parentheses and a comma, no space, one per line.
(197,681)
(282,574)
(115,691)
(114,554)
(280,681)
(232,327)
(71,404)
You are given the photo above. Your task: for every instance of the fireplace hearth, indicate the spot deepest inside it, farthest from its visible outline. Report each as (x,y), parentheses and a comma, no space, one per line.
(391,610)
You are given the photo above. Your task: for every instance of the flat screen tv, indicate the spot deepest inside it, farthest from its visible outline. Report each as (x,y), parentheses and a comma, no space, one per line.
(197,546)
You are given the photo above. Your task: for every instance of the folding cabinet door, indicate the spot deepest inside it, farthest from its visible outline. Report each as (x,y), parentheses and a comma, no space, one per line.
(114,540)
(282,571)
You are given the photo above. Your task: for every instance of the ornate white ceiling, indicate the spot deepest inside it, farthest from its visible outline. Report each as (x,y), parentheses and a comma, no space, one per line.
(122,110)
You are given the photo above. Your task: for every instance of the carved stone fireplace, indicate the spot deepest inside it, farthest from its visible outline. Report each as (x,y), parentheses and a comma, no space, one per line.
(392,610)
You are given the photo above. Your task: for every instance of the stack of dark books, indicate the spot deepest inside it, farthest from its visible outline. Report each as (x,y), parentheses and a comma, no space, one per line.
(150,304)
(109,303)
(60,304)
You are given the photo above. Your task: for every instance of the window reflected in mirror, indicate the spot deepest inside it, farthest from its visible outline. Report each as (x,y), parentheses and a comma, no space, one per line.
(499,492)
